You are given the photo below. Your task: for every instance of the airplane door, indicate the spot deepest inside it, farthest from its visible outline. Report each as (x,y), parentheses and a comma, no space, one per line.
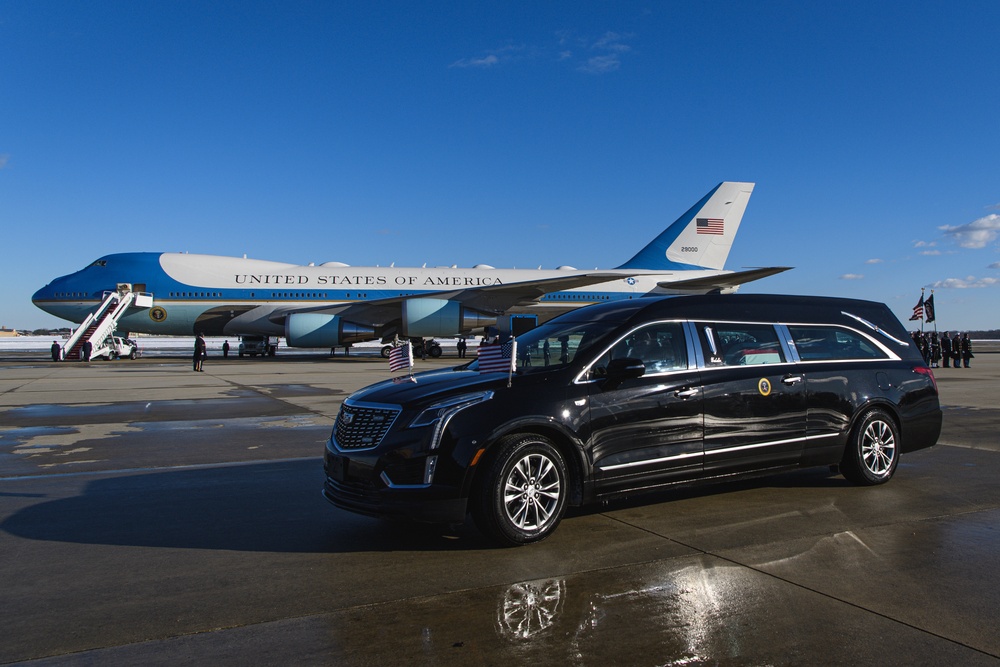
(647,430)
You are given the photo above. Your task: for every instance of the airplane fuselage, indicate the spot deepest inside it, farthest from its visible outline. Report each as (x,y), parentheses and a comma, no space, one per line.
(336,304)
(219,295)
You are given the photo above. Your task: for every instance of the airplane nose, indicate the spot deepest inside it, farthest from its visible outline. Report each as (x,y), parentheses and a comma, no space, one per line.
(42,299)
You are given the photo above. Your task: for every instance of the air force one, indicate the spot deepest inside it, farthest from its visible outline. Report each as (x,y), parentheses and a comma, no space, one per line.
(334,304)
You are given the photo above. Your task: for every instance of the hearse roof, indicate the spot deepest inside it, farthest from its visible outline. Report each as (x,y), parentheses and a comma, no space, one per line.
(769,308)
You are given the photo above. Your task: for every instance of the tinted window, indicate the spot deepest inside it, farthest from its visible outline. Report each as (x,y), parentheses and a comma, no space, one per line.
(830,343)
(740,344)
(660,346)
(556,343)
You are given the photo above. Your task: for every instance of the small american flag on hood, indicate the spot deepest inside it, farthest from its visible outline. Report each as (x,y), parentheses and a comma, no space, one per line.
(497,357)
(400,358)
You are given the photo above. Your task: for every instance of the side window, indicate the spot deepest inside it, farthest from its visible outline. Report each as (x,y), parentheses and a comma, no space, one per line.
(660,346)
(816,343)
(740,344)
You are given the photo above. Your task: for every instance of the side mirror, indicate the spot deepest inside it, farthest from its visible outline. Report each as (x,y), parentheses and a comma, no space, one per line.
(625,369)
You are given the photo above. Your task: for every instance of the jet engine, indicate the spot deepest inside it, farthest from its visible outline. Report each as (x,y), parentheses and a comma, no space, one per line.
(321,330)
(427,318)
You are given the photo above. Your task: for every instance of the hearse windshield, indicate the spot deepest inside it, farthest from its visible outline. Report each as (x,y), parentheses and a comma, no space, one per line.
(557,343)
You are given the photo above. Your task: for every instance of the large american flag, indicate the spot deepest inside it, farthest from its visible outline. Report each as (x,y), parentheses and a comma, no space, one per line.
(711,226)
(918,310)
(929,309)
(497,357)
(400,358)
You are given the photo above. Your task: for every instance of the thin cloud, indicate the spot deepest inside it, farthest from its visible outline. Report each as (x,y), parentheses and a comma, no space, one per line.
(976,234)
(852,276)
(924,244)
(874,260)
(611,46)
(994,265)
(4,159)
(612,41)
(601,64)
(484,62)
(971,282)
(495,58)
(930,253)
(603,54)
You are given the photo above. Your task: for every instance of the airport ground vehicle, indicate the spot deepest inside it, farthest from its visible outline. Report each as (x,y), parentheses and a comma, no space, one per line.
(620,398)
(116,347)
(254,345)
(433,348)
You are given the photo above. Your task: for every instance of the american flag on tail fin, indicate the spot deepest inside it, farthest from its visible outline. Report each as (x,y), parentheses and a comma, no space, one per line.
(711,226)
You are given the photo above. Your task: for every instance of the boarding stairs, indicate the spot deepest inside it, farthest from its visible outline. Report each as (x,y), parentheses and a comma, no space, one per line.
(100,325)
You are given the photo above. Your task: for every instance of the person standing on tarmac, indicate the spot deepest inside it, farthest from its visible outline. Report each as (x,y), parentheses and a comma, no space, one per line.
(200,352)
(966,350)
(56,350)
(225,350)
(88,347)
(946,350)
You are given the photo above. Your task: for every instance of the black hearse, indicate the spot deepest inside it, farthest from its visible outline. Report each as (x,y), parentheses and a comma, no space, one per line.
(632,396)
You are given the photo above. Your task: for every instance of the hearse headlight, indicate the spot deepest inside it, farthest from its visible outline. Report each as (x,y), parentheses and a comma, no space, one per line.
(443,410)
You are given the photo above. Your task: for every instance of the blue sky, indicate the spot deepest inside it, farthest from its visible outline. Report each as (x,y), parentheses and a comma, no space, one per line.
(573,132)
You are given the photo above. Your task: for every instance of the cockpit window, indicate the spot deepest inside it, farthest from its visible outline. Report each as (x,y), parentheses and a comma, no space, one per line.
(100,262)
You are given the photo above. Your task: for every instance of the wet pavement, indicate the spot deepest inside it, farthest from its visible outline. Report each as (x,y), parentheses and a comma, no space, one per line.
(149,514)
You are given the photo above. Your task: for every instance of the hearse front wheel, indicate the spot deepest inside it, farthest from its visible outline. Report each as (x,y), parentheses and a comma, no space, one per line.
(522,497)
(873,449)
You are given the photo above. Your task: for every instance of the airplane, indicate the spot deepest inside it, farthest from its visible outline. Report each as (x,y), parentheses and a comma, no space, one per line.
(334,304)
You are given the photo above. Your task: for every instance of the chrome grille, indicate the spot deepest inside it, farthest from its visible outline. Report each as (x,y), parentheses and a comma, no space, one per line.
(363,427)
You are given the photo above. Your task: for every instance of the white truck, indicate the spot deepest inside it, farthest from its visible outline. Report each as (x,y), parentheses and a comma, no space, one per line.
(117,347)
(265,346)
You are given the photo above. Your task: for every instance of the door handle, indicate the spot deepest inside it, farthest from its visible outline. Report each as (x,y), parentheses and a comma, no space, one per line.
(791,379)
(686,393)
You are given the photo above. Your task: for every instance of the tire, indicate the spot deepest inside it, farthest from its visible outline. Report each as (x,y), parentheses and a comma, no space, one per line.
(434,352)
(873,449)
(133,354)
(522,496)
(386,349)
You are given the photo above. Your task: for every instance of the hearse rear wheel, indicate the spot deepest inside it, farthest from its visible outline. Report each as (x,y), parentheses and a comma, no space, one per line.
(523,495)
(873,449)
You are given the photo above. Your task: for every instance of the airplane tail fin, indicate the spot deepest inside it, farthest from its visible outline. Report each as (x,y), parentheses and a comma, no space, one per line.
(702,237)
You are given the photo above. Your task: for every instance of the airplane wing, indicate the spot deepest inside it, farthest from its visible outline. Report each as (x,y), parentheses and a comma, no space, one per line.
(492,298)
(723,280)
(499,298)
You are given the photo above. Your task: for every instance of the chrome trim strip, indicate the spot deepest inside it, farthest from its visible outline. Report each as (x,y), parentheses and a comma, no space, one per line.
(679,457)
(875,328)
(727,450)
(644,462)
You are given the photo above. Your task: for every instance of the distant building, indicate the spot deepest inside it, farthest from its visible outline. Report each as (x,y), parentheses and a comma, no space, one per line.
(7,333)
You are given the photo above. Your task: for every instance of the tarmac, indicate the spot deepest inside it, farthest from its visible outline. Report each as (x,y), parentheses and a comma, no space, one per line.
(150,514)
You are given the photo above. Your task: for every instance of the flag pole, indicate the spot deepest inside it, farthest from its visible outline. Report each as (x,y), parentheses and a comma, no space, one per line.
(922,314)
(513,360)
(934,311)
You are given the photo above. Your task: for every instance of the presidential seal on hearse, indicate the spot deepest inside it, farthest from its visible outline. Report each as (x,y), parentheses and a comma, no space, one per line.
(632,396)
